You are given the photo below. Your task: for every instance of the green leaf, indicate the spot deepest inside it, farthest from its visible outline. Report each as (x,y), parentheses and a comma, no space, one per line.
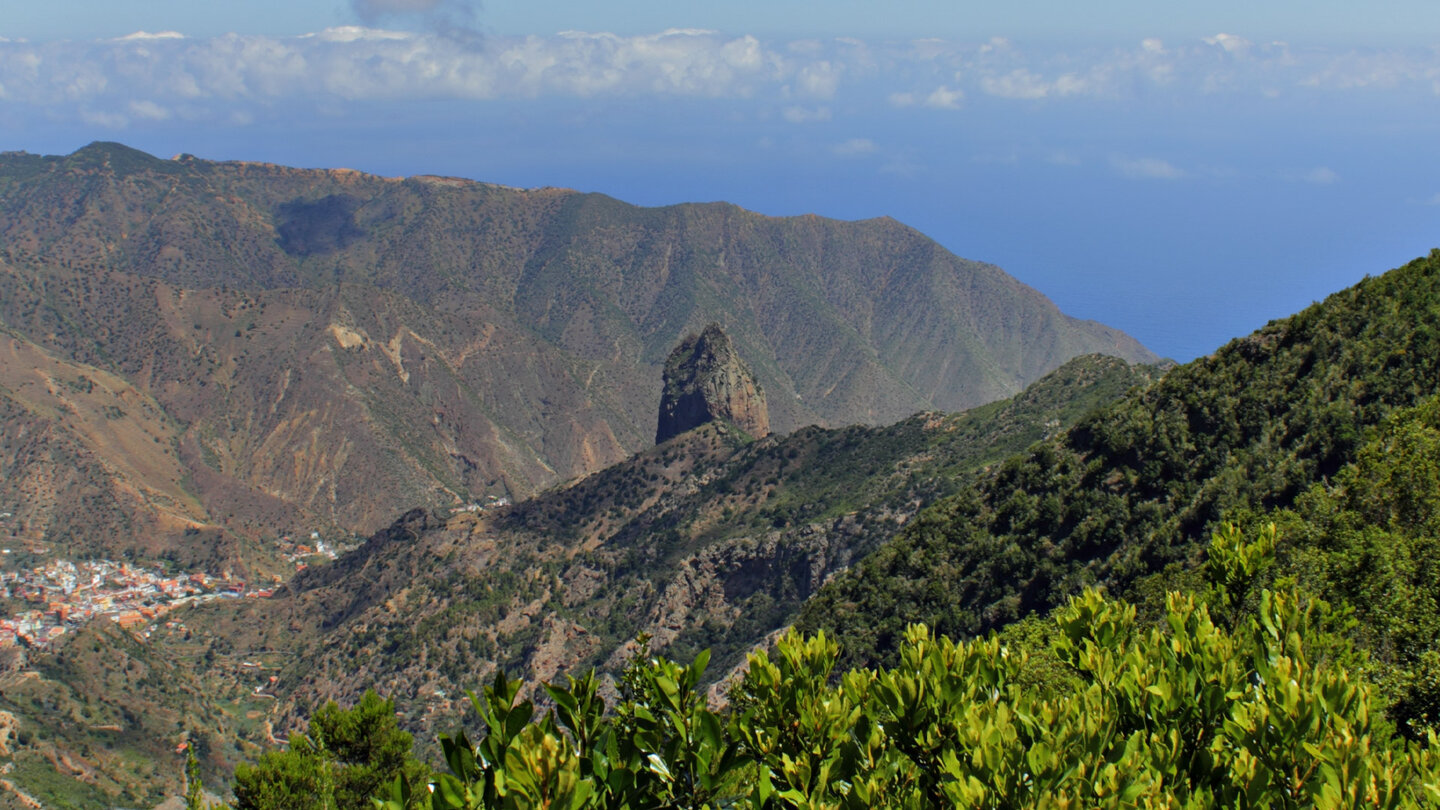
(659,768)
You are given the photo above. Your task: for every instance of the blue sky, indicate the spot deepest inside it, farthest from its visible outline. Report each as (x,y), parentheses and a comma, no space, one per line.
(1185,173)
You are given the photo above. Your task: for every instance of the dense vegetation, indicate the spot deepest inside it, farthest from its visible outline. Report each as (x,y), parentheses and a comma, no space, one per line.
(346,756)
(1370,540)
(1134,488)
(1234,696)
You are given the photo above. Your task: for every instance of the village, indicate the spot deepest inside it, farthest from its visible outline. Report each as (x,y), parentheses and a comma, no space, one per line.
(63,595)
(66,595)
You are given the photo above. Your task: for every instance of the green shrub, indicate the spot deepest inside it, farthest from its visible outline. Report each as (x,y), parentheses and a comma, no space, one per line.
(1257,710)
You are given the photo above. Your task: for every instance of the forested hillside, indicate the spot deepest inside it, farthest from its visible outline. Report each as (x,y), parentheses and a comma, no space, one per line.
(1132,490)
(1229,695)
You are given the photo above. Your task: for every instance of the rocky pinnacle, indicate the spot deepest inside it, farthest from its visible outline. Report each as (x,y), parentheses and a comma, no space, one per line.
(705,380)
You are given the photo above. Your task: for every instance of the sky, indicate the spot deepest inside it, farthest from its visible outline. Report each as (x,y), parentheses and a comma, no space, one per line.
(1185,172)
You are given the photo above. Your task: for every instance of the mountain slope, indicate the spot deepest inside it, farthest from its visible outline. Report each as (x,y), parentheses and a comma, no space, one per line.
(333,348)
(97,723)
(1137,486)
(704,541)
(85,454)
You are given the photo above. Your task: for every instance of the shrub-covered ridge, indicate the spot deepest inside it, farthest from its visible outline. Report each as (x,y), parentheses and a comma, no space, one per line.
(1135,487)
(1214,705)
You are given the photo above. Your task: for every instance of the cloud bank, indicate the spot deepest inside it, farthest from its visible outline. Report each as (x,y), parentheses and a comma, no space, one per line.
(160,76)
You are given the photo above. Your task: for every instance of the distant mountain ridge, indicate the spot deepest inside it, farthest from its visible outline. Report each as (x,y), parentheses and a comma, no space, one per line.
(327,349)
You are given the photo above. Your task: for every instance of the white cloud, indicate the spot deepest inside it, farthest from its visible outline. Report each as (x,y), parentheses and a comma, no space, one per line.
(141,36)
(149,110)
(357,33)
(86,83)
(807,80)
(688,32)
(1019,83)
(943,98)
(819,79)
(855,147)
(1070,84)
(1320,176)
(1230,43)
(929,49)
(745,53)
(995,44)
(1146,168)
(806,115)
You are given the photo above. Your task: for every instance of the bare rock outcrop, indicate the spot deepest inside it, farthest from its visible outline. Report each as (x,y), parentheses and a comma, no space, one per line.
(705,381)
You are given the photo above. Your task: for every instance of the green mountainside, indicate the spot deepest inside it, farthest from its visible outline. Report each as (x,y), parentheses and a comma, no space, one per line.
(1135,488)
(327,349)
(98,723)
(1238,692)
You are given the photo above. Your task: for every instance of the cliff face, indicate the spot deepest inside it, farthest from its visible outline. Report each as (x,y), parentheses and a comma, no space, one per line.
(706,381)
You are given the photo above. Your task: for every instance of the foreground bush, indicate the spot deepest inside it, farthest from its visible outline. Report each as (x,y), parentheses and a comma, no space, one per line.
(346,757)
(1254,709)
